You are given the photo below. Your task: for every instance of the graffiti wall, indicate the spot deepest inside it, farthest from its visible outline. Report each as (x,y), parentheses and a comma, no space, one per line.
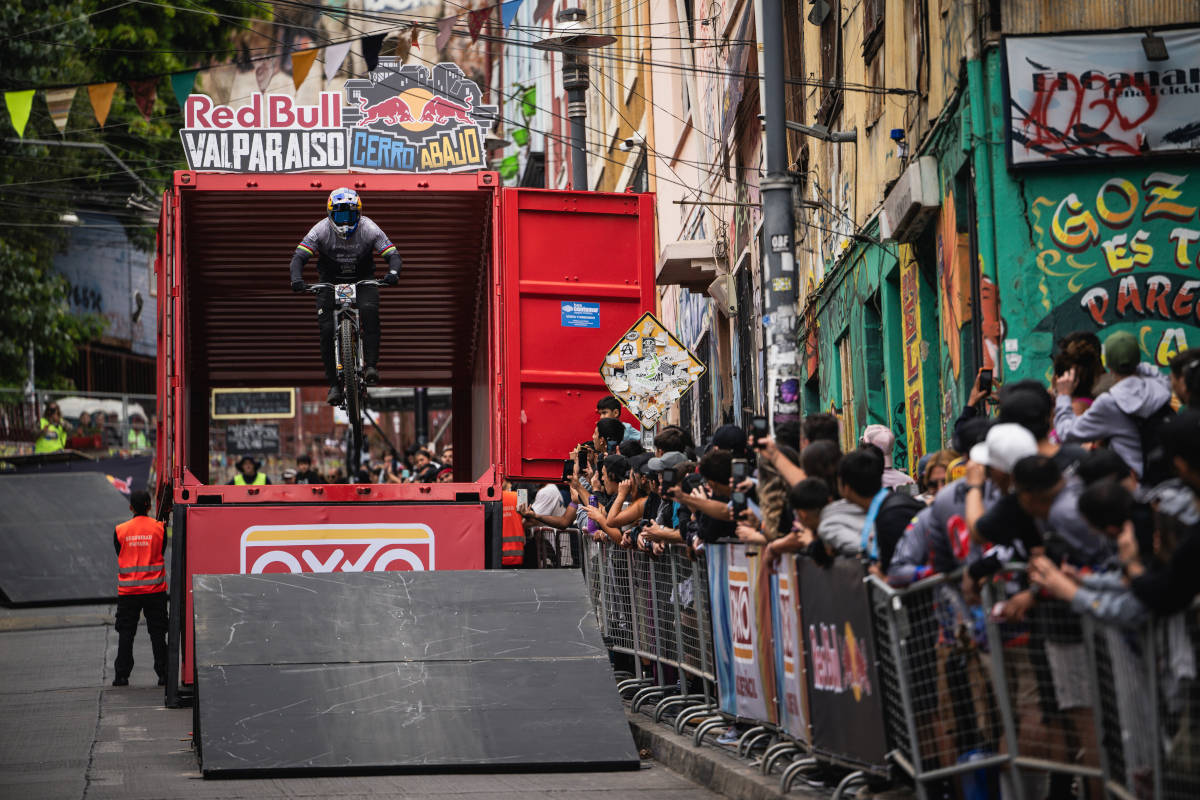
(1118,249)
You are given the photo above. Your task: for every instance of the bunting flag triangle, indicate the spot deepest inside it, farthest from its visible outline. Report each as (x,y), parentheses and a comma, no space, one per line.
(19,104)
(508,12)
(335,54)
(101,95)
(371,46)
(264,71)
(445,27)
(144,94)
(475,20)
(301,63)
(217,82)
(59,102)
(416,31)
(543,10)
(181,85)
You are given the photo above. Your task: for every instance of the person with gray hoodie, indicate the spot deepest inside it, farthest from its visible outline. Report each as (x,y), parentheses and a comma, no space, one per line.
(1138,392)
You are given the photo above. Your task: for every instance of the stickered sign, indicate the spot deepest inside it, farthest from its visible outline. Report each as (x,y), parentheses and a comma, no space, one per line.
(401,118)
(648,369)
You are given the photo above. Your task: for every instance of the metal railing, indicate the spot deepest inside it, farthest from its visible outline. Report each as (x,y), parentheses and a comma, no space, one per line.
(1019,709)
(20,415)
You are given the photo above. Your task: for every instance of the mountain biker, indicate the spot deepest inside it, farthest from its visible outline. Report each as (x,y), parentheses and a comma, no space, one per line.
(343,243)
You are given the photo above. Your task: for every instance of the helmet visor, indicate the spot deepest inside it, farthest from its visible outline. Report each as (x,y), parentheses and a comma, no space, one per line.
(344,216)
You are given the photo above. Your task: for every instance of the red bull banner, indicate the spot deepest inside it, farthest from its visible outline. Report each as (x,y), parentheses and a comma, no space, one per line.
(844,696)
(401,118)
(742,640)
(253,540)
(789,649)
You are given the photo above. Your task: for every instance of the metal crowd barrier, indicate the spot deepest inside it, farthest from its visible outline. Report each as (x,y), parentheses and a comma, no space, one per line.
(1054,704)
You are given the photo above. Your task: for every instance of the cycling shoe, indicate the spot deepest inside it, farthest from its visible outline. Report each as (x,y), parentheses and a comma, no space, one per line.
(335,396)
(370,376)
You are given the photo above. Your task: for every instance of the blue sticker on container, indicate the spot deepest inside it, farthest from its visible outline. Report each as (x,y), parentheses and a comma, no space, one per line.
(580,315)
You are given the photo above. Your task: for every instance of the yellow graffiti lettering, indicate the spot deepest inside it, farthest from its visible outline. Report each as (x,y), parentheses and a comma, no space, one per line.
(1172,342)
(1117,255)
(1162,189)
(1129,196)
(1079,230)
(1183,239)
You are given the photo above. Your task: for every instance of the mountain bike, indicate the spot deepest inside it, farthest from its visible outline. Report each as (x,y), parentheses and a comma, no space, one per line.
(347,349)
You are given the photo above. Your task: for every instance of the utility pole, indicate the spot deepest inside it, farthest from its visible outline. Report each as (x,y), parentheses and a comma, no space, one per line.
(780,285)
(575,81)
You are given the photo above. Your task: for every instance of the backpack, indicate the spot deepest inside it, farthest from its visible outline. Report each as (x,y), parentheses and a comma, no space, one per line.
(894,515)
(1156,462)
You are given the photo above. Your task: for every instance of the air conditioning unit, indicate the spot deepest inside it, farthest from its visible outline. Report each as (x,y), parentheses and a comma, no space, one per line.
(912,202)
(723,291)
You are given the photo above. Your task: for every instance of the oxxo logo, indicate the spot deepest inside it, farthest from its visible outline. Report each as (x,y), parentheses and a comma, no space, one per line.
(741,614)
(337,548)
(789,631)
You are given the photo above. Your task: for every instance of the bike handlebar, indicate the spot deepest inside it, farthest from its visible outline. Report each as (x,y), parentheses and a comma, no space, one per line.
(316,287)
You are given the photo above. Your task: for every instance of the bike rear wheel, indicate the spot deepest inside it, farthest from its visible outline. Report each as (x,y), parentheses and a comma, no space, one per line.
(350,378)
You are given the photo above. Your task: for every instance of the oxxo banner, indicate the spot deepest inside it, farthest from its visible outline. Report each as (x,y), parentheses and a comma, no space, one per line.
(742,640)
(789,650)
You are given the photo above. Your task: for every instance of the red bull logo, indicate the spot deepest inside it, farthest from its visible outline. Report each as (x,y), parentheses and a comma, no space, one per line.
(439,110)
(839,662)
(337,548)
(393,111)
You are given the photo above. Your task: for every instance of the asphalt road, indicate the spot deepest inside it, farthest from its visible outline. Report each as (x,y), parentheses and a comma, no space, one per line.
(66,733)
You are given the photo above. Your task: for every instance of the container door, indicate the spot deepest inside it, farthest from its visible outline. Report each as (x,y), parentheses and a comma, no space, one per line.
(577,270)
(164,271)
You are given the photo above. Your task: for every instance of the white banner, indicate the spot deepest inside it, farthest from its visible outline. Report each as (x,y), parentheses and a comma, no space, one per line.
(1100,97)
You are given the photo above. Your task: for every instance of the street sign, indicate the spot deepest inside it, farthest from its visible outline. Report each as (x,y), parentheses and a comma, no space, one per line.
(648,369)
(260,403)
(252,439)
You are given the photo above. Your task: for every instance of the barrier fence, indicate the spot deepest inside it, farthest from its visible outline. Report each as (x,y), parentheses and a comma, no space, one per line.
(825,665)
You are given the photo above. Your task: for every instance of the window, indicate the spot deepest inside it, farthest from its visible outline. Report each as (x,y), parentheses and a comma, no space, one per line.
(849,432)
(874,12)
(831,65)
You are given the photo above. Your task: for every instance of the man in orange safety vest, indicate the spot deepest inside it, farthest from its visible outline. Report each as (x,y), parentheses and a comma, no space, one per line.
(141,588)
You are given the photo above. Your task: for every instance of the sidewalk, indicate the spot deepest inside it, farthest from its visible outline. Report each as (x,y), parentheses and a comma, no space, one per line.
(66,733)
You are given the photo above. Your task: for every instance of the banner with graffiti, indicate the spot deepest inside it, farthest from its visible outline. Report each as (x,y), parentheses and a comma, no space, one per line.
(402,118)
(845,698)
(742,640)
(1118,250)
(789,656)
(1098,96)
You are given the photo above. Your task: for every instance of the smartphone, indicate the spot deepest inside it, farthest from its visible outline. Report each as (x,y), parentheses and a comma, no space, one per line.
(740,470)
(691,482)
(668,478)
(582,457)
(758,426)
(985,380)
(568,470)
(522,497)
(738,500)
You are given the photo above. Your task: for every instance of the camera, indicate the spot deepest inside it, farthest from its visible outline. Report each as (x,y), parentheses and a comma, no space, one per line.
(691,482)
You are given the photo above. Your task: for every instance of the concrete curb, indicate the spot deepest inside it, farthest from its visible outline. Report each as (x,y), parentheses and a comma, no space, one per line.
(710,766)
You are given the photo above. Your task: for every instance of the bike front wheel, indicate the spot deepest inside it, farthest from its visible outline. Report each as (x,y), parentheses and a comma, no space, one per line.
(350,385)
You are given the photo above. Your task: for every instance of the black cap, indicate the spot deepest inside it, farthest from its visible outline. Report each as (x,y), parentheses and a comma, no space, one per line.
(244,459)
(641,463)
(730,437)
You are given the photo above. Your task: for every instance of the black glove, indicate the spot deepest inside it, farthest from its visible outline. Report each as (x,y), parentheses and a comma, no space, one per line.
(392,278)
(298,286)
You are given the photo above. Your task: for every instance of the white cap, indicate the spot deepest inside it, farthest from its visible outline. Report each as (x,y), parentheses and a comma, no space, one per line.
(1006,444)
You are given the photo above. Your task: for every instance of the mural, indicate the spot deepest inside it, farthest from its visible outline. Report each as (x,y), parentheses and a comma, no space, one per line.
(1120,251)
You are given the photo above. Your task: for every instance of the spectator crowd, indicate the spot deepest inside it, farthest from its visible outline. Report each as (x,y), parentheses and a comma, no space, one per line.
(1091,483)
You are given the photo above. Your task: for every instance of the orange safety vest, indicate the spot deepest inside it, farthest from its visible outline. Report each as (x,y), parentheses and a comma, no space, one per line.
(512,535)
(140,562)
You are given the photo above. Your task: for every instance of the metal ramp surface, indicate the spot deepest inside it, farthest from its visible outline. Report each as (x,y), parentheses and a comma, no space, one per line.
(403,671)
(56,537)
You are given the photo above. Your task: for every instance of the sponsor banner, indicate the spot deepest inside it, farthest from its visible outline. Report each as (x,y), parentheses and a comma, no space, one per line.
(789,646)
(231,540)
(401,118)
(743,646)
(845,699)
(1098,96)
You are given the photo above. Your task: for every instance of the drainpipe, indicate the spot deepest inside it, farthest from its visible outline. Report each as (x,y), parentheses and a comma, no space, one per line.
(981,162)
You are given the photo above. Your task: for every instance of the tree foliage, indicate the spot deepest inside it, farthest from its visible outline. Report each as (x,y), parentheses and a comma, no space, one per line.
(61,43)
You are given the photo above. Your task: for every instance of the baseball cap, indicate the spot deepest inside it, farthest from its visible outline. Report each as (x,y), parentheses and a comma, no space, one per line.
(882,437)
(668,460)
(639,462)
(1005,445)
(730,437)
(1122,352)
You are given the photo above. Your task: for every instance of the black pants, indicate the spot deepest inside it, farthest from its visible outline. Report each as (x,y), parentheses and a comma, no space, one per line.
(368,316)
(129,608)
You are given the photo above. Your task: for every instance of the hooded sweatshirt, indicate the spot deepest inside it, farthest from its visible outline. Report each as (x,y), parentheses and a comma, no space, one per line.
(841,527)
(1115,415)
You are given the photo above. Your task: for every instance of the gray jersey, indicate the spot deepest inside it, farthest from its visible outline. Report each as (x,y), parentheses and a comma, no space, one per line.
(344,259)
